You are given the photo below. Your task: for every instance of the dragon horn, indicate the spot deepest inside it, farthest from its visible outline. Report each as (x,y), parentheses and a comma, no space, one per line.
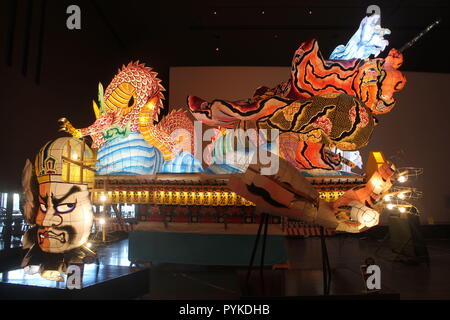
(101,99)
(96,109)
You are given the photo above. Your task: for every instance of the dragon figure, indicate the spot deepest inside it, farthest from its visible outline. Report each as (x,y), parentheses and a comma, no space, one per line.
(126,117)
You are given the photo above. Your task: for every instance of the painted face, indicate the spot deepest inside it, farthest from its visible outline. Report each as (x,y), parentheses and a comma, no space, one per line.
(65,216)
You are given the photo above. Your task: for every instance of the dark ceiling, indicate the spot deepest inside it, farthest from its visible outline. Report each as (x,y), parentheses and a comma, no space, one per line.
(48,71)
(267,32)
(259,33)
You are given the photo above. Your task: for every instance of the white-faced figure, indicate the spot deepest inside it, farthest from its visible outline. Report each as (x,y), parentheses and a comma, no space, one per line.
(64,218)
(60,208)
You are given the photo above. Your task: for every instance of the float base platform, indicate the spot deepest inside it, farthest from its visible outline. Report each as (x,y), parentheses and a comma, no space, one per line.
(203,249)
(99,282)
(204,244)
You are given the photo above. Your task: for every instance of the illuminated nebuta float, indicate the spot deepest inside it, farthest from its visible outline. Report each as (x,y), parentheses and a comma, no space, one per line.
(325,106)
(324,113)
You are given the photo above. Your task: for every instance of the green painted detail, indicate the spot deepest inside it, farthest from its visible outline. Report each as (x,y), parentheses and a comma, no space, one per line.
(117,132)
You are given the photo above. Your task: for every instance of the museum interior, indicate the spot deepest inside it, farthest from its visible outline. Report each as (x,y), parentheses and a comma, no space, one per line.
(224,150)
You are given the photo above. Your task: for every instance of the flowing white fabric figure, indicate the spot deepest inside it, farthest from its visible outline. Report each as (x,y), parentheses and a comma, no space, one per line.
(368,40)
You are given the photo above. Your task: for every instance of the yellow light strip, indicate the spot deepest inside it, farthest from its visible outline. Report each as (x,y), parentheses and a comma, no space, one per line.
(197,198)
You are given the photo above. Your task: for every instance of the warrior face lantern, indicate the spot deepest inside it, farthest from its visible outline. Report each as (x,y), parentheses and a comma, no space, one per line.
(62,210)
(64,216)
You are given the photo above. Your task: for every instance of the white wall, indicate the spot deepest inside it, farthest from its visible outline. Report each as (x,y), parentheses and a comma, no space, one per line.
(414,134)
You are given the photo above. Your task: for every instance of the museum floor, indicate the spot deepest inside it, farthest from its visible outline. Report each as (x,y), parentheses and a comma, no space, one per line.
(304,278)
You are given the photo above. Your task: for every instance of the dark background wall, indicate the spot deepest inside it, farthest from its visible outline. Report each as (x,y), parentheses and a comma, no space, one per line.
(203,33)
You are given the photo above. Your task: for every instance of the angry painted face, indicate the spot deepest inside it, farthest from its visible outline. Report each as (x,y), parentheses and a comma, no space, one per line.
(64,217)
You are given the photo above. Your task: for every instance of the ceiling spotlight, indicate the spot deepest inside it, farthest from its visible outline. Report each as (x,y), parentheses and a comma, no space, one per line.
(402,209)
(390,206)
(262,12)
(103,198)
(74,156)
(102,221)
(387,197)
(401,195)
(89,245)
(402,179)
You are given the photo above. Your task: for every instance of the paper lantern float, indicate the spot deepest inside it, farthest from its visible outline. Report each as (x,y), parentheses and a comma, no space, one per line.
(326,105)
(58,208)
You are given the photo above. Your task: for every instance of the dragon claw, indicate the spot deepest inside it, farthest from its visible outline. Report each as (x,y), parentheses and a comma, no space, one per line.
(62,120)
(66,126)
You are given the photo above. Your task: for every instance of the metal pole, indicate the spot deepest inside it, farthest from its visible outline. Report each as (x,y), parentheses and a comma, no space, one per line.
(420,35)
(255,246)
(261,267)
(325,264)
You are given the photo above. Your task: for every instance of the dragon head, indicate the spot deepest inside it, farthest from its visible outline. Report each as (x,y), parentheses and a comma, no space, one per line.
(118,108)
(131,88)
